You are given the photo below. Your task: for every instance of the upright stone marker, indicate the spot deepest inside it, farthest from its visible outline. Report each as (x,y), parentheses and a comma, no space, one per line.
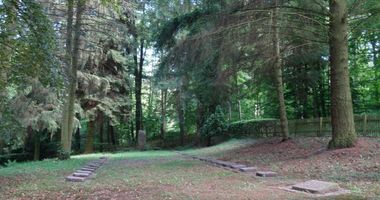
(141,140)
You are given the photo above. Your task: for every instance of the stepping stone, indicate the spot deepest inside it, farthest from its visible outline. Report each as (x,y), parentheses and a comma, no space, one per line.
(266,174)
(316,187)
(75,179)
(77,174)
(225,163)
(237,166)
(94,165)
(91,167)
(88,169)
(248,169)
(83,171)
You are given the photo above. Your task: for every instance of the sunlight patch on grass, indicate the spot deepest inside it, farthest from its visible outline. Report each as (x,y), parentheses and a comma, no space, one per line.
(220,149)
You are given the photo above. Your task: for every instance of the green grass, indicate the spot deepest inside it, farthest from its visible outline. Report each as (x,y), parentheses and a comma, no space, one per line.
(154,175)
(222,148)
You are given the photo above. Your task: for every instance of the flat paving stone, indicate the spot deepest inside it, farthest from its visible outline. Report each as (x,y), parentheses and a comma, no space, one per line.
(266,174)
(237,166)
(83,171)
(93,165)
(75,179)
(226,164)
(88,169)
(248,169)
(316,187)
(77,174)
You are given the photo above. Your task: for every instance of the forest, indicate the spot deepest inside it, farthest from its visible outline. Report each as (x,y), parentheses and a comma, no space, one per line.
(93,77)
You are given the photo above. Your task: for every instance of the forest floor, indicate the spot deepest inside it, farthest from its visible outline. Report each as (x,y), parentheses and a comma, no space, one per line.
(167,175)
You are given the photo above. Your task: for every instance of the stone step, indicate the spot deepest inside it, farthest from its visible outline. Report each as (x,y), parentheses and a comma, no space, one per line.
(316,187)
(248,169)
(237,166)
(81,174)
(75,179)
(266,174)
(88,169)
(83,171)
(91,167)
(94,165)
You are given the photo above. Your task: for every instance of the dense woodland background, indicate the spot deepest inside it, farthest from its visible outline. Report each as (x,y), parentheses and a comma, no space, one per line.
(80,76)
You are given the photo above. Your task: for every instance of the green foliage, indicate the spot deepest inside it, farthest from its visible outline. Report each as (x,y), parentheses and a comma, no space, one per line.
(166,37)
(29,40)
(215,124)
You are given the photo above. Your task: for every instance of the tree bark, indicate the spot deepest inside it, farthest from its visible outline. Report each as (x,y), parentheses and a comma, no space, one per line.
(342,117)
(181,117)
(68,116)
(68,57)
(101,130)
(89,148)
(138,86)
(278,77)
(164,93)
(77,140)
(37,145)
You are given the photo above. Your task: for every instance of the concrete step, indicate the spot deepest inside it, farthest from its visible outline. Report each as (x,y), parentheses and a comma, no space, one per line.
(266,174)
(75,179)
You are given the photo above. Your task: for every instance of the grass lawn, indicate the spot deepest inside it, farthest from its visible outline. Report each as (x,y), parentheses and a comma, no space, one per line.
(159,175)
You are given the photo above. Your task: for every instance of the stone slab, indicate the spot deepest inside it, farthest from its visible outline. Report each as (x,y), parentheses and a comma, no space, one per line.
(237,166)
(91,167)
(226,164)
(88,169)
(316,187)
(75,179)
(248,169)
(94,165)
(83,171)
(266,174)
(78,174)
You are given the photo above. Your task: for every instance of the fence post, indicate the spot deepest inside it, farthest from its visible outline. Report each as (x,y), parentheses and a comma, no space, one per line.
(320,132)
(364,124)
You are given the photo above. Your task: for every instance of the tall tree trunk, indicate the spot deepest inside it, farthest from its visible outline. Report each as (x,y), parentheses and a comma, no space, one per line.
(68,58)
(164,93)
(89,148)
(342,117)
(100,124)
(181,117)
(239,110)
(229,112)
(112,135)
(138,85)
(278,77)
(77,140)
(37,145)
(200,121)
(73,59)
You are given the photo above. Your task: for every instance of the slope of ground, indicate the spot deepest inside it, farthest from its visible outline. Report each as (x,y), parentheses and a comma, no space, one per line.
(357,169)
